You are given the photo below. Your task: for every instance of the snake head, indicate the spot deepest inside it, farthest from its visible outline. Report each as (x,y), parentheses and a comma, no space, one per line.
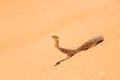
(55,37)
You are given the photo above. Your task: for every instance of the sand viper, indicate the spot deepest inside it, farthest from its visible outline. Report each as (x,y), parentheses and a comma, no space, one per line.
(70,52)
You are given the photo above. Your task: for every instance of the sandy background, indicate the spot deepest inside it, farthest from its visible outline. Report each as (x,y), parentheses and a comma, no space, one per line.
(27,50)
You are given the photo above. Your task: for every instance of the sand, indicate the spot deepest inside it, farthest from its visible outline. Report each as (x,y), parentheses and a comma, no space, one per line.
(27,49)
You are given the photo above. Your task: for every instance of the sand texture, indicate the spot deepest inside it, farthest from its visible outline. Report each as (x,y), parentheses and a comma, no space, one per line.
(27,50)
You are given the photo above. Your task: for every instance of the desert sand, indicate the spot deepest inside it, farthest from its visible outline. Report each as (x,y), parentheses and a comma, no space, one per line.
(27,50)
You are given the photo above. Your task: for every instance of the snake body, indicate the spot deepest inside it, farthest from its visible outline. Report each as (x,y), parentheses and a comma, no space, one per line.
(70,52)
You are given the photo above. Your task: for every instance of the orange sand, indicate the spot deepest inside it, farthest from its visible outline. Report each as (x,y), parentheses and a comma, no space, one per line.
(27,50)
